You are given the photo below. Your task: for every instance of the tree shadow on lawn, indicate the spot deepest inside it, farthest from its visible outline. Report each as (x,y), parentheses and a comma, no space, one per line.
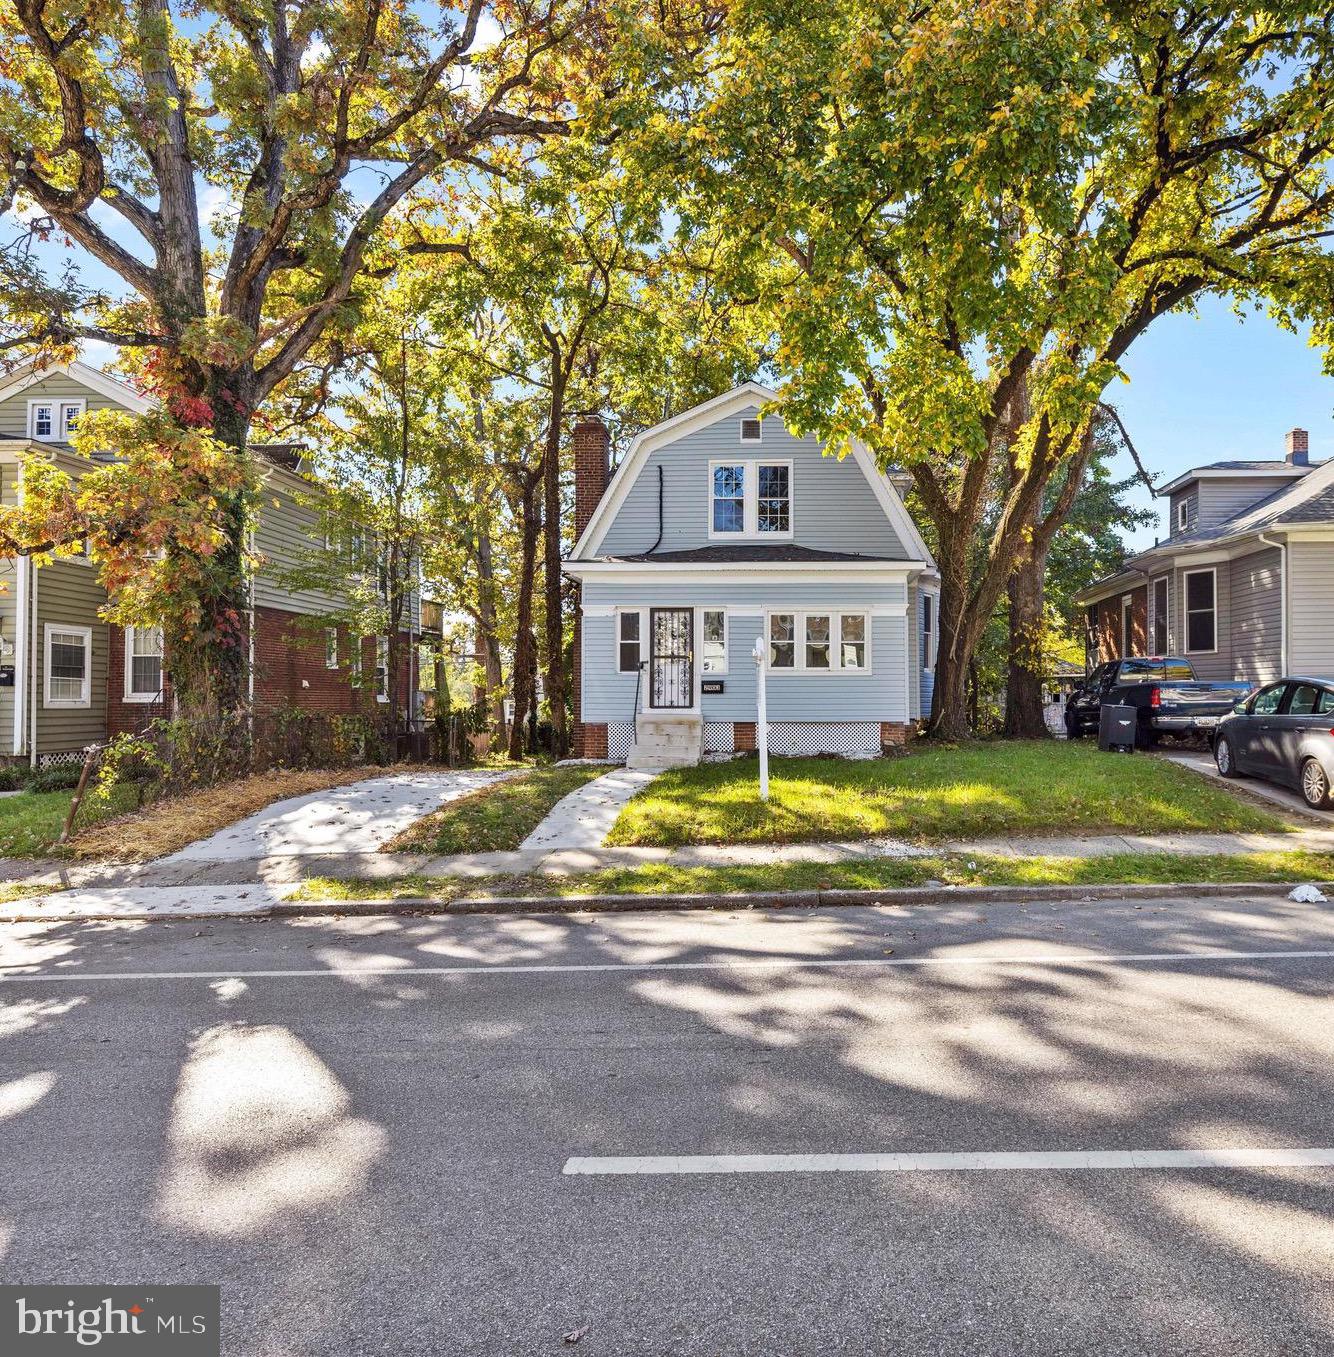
(312,1143)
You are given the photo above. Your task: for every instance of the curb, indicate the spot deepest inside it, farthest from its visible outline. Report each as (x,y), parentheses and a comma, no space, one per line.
(903,895)
(631,904)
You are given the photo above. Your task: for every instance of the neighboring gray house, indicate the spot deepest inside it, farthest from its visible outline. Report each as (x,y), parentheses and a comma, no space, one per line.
(719,527)
(1243,585)
(68,678)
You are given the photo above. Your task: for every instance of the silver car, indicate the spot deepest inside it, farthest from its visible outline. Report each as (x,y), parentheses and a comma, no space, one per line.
(1283,733)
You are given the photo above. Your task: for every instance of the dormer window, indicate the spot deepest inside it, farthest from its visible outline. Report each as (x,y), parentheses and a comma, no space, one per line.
(1183,515)
(752,431)
(750,499)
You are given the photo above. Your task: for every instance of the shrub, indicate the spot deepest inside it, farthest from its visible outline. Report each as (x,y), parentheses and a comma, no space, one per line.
(13,777)
(59,777)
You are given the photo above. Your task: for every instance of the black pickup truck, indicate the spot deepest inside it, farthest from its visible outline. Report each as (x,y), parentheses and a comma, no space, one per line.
(1164,689)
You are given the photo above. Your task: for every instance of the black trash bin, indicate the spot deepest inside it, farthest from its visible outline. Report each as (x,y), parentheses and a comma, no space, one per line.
(1117,728)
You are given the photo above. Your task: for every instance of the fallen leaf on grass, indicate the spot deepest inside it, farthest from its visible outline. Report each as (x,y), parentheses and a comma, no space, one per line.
(576,1334)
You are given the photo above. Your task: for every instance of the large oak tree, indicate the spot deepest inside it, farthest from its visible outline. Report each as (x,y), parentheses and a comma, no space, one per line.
(947,206)
(307,125)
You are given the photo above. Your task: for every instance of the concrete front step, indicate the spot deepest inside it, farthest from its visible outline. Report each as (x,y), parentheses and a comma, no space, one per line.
(663,741)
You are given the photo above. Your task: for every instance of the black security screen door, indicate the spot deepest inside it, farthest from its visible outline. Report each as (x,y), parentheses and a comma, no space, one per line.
(672,681)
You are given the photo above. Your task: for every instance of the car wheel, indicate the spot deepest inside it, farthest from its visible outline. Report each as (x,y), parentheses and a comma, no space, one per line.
(1315,786)
(1224,757)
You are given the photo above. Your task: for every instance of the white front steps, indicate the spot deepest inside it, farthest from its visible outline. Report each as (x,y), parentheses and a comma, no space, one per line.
(667,741)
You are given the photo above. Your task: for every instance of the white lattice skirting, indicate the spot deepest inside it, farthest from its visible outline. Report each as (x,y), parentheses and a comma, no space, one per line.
(809,738)
(58,760)
(620,739)
(719,737)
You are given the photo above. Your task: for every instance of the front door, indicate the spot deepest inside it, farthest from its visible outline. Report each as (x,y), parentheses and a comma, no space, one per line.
(672,670)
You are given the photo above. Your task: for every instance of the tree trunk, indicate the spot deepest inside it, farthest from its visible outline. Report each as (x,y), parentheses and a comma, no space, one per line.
(525,656)
(1024,717)
(957,639)
(555,616)
(488,632)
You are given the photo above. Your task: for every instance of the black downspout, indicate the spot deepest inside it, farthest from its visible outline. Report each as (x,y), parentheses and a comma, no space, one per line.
(658,543)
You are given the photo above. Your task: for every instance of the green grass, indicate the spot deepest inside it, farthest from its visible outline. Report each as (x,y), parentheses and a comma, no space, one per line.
(883,874)
(934,792)
(493,818)
(30,823)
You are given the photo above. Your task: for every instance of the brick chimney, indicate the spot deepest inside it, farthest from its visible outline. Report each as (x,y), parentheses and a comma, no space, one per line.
(592,447)
(1298,447)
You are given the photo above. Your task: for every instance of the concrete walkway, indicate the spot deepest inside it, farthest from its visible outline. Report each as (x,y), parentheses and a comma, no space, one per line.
(355,818)
(585,817)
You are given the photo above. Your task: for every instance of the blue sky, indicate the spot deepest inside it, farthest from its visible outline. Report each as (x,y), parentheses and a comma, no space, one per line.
(1212,387)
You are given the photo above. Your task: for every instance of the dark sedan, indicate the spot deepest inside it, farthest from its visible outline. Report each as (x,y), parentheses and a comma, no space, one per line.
(1283,733)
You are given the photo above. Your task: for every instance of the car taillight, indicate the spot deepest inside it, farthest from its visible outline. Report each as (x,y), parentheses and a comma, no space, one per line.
(1155,698)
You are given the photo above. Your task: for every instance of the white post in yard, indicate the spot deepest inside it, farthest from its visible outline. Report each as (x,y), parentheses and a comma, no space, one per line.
(761,719)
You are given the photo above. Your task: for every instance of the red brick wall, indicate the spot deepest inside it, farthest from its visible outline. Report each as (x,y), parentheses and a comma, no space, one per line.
(123,716)
(1107,630)
(743,736)
(592,446)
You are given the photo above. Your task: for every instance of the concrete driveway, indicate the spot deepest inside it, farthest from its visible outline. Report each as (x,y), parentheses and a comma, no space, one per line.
(1202,761)
(366,1130)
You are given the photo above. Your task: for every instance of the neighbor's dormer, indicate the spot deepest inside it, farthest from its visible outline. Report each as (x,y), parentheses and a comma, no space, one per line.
(44,403)
(1206,496)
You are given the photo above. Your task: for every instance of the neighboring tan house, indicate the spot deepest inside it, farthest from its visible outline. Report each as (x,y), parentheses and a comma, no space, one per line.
(69,679)
(1244,584)
(720,528)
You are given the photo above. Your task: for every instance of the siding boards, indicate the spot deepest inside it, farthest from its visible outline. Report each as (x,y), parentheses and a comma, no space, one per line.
(833,507)
(1224,498)
(68,592)
(1190,497)
(1311,606)
(1255,588)
(56,387)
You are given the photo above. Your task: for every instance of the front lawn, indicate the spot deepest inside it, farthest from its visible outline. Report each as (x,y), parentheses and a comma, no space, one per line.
(934,792)
(494,818)
(30,823)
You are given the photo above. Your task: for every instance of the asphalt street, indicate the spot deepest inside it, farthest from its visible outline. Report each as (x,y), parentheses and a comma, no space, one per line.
(360,1128)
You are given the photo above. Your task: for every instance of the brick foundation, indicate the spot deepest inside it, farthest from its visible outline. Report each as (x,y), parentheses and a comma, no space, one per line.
(743,737)
(895,734)
(590,741)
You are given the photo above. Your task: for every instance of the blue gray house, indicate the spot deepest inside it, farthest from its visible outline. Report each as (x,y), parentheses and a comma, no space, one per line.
(1243,584)
(718,528)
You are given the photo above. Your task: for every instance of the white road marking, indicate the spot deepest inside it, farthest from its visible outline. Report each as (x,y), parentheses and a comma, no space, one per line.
(987,1161)
(1059,959)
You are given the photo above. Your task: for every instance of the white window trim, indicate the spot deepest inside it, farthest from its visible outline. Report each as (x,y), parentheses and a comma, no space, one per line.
(642,614)
(1127,624)
(933,635)
(1186,610)
(727,644)
(129,694)
(68,703)
(1183,514)
(835,616)
(750,501)
(58,408)
(331,647)
(382,648)
(33,407)
(1166,614)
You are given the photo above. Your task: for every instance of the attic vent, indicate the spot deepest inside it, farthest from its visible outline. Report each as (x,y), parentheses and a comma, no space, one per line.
(750,430)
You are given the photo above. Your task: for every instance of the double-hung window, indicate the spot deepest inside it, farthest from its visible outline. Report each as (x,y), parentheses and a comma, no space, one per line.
(750,499)
(928,626)
(713,622)
(820,642)
(42,420)
(382,669)
(68,665)
(331,647)
(1201,627)
(143,664)
(729,498)
(1160,594)
(627,641)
